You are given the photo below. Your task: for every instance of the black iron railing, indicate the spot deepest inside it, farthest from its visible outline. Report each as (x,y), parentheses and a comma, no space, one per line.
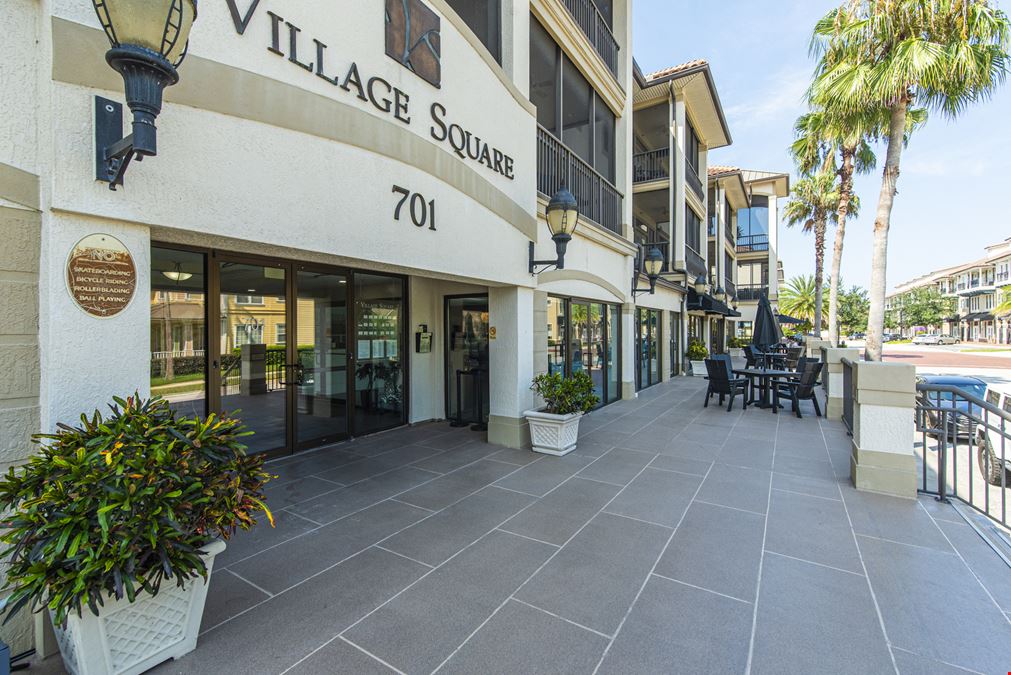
(596,30)
(847,379)
(753,242)
(751,291)
(650,166)
(558,166)
(695,263)
(693,181)
(731,236)
(964,447)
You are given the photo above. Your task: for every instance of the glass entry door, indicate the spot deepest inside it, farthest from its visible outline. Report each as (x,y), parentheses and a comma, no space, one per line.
(467,390)
(321,341)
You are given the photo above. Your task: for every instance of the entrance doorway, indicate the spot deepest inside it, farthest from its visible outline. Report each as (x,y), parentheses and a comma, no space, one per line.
(467,383)
(304,355)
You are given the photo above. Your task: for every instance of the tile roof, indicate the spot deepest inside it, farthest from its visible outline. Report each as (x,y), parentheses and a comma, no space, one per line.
(717,170)
(665,72)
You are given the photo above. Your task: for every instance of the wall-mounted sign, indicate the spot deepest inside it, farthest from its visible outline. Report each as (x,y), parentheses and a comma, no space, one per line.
(413,39)
(492,333)
(422,212)
(101,276)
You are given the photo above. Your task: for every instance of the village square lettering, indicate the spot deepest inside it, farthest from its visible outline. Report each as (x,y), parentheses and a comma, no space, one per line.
(310,54)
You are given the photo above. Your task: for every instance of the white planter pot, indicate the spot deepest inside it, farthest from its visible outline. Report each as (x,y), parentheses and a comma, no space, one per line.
(736,352)
(699,368)
(553,434)
(128,638)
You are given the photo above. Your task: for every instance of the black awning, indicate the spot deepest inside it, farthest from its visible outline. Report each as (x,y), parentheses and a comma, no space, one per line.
(708,304)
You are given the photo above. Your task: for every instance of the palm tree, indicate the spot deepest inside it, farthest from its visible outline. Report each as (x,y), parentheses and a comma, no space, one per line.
(940,54)
(798,298)
(814,199)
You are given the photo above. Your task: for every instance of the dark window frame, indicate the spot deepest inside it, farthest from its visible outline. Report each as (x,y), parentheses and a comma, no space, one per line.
(493,29)
(613,314)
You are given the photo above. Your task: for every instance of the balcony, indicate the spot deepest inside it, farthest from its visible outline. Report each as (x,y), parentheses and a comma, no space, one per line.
(730,287)
(753,242)
(558,166)
(726,539)
(695,263)
(650,166)
(596,30)
(751,292)
(694,182)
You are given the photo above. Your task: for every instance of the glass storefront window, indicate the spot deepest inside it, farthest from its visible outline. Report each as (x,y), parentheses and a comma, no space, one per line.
(556,335)
(178,329)
(379,366)
(585,337)
(675,348)
(648,347)
(613,379)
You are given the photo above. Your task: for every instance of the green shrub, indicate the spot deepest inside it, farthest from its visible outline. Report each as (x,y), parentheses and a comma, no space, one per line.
(697,351)
(123,502)
(564,396)
(737,343)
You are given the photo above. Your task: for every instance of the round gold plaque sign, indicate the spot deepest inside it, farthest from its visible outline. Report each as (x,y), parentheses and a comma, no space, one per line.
(101,276)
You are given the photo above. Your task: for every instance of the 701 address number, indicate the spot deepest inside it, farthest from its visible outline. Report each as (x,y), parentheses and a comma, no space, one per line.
(421,211)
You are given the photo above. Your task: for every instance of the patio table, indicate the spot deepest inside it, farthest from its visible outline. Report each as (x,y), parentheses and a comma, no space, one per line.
(766,376)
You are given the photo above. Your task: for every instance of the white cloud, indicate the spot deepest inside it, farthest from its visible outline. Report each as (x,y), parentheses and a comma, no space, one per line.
(781,94)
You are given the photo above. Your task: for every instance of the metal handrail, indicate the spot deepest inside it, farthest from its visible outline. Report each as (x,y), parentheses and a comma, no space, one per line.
(595,28)
(695,262)
(693,180)
(651,165)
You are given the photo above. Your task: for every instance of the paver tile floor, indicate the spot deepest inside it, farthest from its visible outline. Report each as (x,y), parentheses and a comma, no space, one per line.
(675,539)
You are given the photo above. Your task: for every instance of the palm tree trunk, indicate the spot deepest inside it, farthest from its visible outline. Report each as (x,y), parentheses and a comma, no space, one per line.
(845,193)
(819,272)
(882,220)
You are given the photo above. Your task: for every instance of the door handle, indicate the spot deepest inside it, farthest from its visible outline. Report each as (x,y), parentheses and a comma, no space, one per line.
(299,375)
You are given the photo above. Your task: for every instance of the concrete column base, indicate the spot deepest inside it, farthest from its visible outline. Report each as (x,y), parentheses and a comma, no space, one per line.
(884,472)
(512,432)
(628,390)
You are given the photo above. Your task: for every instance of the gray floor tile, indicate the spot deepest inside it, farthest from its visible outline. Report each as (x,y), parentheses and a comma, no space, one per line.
(315,462)
(514,456)
(738,487)
(594,578)
(457,457)
(591,448)
(812,529)
(618,466)
(228,595)
(674,628)
(437,538)
(330,507)
(814,619)
(246,543)
(651,439)
(281,495)
(681,464)
(451,439)
(804,466)
(991,569)
(340,658)
(679,447)
(705,434)
(607,436)
(914,664)
(893,518)
(698,554)
(751,455)
(545,475)
(418,629)
(656,496)
(274,635)
(816,487)
(928,602)
(283,566)
(443,491)
(556,517)
(520,639)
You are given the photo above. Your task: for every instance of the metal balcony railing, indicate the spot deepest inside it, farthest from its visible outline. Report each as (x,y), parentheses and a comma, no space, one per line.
(695,263)
(751,291)
(596,30)
(753,242)
(730,235)
(694,182)
(650,166)
(730,287)
(558,166)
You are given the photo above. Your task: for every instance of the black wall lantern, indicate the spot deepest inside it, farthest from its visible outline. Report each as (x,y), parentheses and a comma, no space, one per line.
(701,285)
(562,214)
(652,265)
(149,39)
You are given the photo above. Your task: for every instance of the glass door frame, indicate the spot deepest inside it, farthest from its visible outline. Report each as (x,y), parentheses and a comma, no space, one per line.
(612,322)
(212,337)
(448,390)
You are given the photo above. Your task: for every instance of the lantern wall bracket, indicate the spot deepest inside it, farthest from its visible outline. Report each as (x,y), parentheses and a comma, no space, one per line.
(561,242)
(113,153)
(636,291)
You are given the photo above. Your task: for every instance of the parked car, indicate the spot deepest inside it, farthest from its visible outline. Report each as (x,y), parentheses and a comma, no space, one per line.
(927,339)
(858,336)
(959,425)
(947,340)
(993,450)
(891,337)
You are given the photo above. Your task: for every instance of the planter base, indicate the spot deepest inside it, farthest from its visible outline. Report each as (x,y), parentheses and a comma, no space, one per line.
(129,638)
(553,434)
(553,452)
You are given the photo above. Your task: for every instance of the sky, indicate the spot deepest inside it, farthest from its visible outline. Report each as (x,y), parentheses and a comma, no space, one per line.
(954,174)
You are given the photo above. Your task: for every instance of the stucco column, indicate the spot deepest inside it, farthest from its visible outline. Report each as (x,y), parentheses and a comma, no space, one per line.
(883,406)
(832,378)
(629,332)
(813,347)
(511,364)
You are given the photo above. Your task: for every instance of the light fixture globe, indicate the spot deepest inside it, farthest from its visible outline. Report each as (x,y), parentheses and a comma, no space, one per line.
(161,27)
(700,284)
(653,263)
(720,294)
(562,214)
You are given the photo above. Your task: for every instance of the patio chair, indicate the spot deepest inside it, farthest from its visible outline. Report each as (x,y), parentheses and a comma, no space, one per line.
(754,356)
(803,389)
(793,357)
(722,383)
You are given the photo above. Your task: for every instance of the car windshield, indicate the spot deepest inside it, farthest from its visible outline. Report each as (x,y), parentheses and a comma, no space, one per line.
(977,390)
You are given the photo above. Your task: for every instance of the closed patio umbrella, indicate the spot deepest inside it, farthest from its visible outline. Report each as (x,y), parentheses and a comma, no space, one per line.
(766,331)
(789,320)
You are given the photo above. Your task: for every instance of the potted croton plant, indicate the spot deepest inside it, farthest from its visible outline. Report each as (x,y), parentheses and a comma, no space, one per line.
(114,525)
(697,355)
(735,346)
(555,427)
